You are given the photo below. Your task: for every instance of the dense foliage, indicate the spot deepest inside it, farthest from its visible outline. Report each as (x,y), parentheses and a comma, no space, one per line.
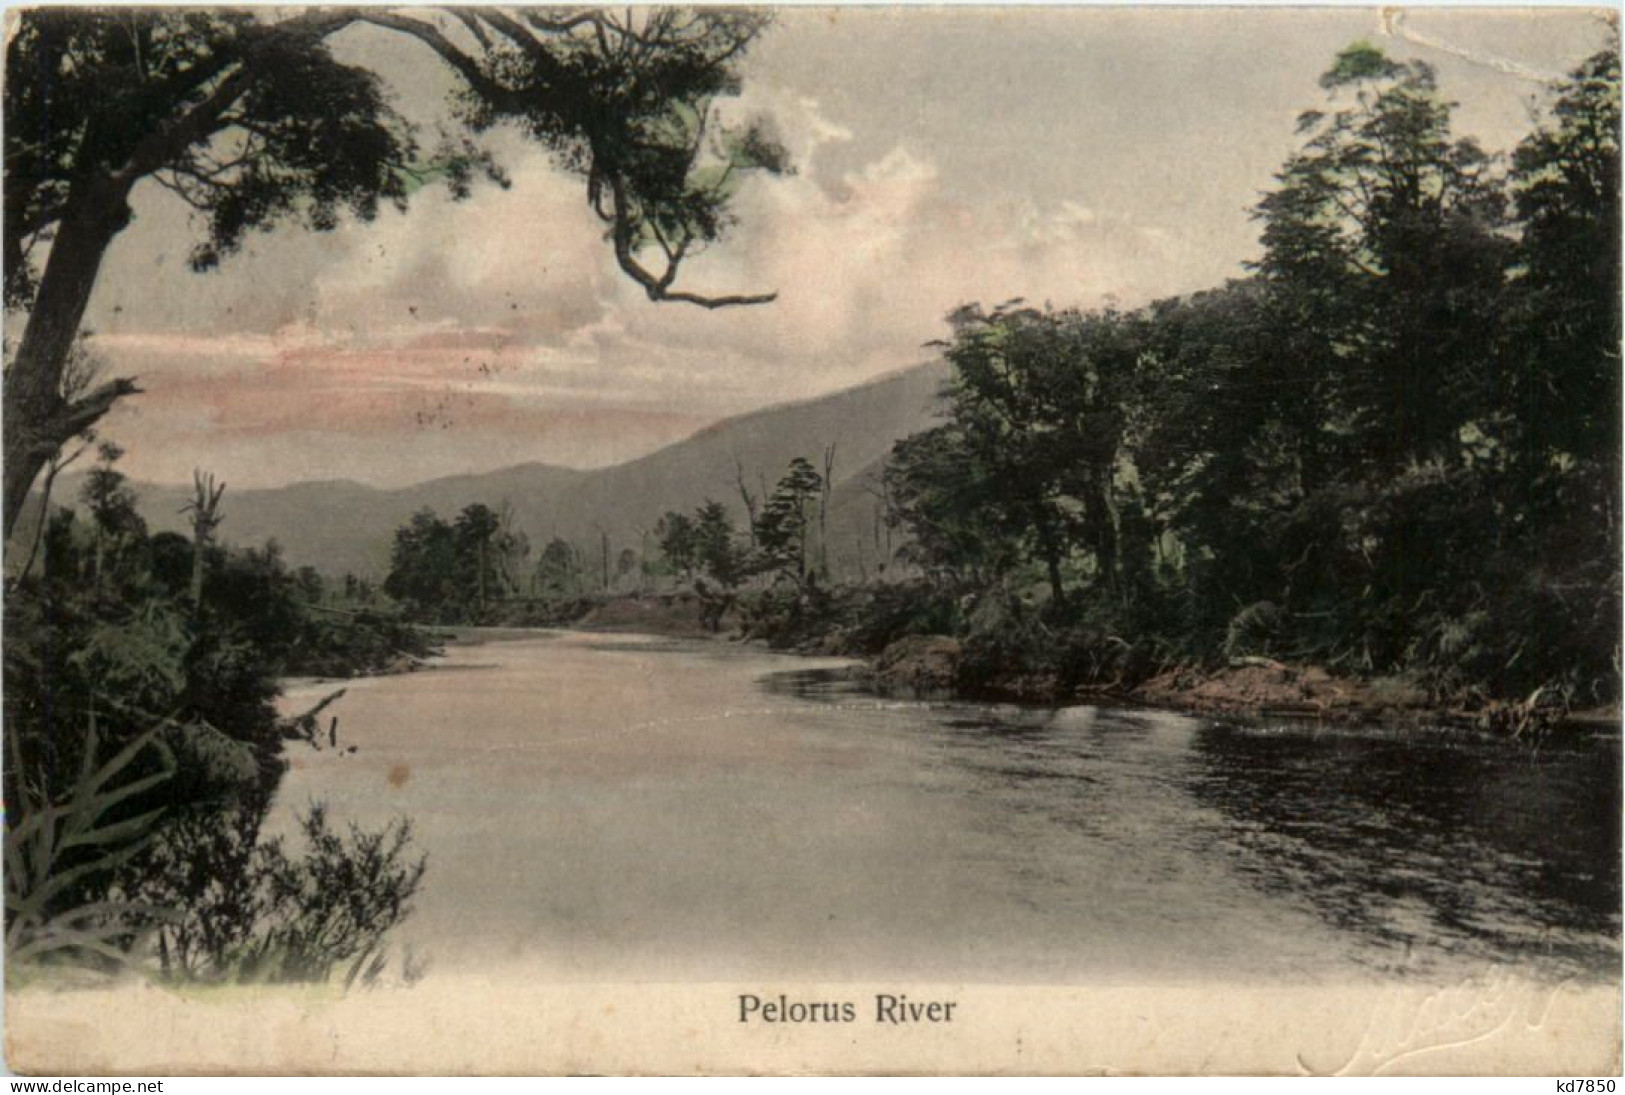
(477,569)
(1392,450)
(143,749)
(452,572)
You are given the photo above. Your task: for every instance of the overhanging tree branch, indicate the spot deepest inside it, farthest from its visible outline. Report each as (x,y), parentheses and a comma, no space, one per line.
(618,102)
(658,287)
(83,413)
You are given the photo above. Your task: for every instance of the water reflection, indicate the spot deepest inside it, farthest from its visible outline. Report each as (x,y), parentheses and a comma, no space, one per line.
(1479,848)
(615,808)
(1421,855)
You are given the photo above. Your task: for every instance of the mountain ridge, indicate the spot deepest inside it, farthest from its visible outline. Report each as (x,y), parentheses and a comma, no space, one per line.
(340,525)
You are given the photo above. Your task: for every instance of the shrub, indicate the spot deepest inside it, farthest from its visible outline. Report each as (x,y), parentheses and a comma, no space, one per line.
(252,912)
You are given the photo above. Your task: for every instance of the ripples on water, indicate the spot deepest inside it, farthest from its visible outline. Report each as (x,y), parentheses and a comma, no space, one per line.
(1423,854)
(631,809)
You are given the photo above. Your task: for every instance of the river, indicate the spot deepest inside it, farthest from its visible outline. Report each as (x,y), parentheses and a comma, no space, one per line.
(615,808)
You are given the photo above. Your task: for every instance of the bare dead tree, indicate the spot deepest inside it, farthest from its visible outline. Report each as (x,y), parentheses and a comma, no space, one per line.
(78,374)
(823,508)
(747,497)
(52,470)
(206,517)
(513,548)
(879,489)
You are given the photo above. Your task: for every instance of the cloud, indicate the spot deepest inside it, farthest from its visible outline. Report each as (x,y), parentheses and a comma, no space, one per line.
(867,267)
(472,329)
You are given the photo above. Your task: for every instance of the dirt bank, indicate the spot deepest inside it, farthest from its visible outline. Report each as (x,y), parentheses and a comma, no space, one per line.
(932,666)
(1257,686)
(675,614)
(922,665)
(1246,688)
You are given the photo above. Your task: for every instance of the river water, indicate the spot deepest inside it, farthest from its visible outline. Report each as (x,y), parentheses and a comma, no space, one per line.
(600,807)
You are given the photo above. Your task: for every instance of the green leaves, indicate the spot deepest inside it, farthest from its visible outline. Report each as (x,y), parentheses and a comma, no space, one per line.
(1385,241)
(756,147)
(782,526)
(1360,61)
(717,547)
(139,658)
(52,850)
(1566,183)
(1396,449)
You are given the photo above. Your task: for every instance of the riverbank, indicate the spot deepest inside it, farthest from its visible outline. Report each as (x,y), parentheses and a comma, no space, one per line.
(934,666)
(1247,688)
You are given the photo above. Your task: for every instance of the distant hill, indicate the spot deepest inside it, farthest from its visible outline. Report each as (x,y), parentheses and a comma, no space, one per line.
(338,525)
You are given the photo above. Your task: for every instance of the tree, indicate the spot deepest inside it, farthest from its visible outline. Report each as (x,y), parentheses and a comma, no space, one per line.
(1394,449)
(1228,439)
(478,556)
(746,497)
(1565,349)
(1384,272)
(993,402)
(625,563)
(723,559)
(112,507)
(556,570)
(826,489)
(1384,239)
(204,509)
(674,533)
(253,122)
(716,549)
(423,562)
(1041,400)
(456,567)
(511,548)
(785,520)
(1087,376)
(948,499)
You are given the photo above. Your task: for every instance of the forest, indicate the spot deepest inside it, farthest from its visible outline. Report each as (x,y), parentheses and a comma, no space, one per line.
(1390,452)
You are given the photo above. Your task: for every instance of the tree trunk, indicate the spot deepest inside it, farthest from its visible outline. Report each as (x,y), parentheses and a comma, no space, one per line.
(38,421)
(1051,550)
(827,488)
(1108,550)
(1057,590)
(199,546)
(749,499)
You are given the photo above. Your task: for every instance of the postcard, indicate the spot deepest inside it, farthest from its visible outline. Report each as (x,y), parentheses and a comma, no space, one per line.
(899,540)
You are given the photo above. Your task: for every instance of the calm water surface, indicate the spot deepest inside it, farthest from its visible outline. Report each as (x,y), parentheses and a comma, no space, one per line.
(620,808)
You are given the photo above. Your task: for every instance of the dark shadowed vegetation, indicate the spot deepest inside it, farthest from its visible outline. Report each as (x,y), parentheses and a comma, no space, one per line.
(1391,452)
(143,748)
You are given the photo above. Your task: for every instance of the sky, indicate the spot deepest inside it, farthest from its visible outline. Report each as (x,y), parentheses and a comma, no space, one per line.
(943,156)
